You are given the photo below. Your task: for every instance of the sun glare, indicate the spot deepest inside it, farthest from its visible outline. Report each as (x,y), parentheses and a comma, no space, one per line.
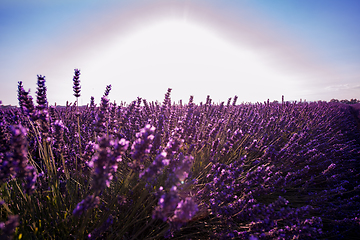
(191,59)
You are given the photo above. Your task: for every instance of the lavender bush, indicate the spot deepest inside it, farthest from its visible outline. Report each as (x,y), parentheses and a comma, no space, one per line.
(151,170)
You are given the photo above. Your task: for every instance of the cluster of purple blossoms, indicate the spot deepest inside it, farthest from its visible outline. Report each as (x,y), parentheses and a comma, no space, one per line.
(179,166)
(87,156)
(235,137)
(104,162)
(174,210)
(42,115)
(25,101)
(173,207)
(16,163)
(92,103)
(142,146)
(102,116)
(167,204)
(155,168)
(3,135)
(88,203)
(103,165)
(185,210)
(8,228)
(57,129)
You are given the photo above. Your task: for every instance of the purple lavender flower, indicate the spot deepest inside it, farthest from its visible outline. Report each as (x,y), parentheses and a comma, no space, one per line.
(234,101)
(16,162)
(185,210)
(42,114)
(166,205)
(142,145)
(58,128)
(88,203)
(156,167)
(331,167)
(76,80)
(182,167)
(92,102)
(167,99)
(41,93)
(174,143)
(101,118)
(3,138)
(119,148)
(179,167)
(19,147)
(25,101)
(107,90)
(87,155)
(228,103)
(99,164)
(52,114)
(235,137)
(21,92)
(6,169)
(189,114)
(8,229)
(30,179)
(104,163)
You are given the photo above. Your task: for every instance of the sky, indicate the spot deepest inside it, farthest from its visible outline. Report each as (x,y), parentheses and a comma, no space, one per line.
(258,50)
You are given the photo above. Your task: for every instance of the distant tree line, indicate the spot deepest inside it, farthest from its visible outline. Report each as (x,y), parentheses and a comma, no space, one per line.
(352,101)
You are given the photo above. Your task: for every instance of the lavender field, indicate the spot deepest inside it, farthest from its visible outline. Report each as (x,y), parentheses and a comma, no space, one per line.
(157,170)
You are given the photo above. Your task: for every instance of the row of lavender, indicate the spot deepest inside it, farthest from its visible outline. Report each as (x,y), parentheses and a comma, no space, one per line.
(153,170)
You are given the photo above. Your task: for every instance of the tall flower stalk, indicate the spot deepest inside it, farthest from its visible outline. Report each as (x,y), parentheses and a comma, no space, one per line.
(77,89)
(42,114)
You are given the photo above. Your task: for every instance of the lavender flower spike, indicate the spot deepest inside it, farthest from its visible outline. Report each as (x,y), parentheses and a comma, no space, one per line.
(58,129)
(99,164)
(25,101)
(166,205)
(185,210)
(18,158)
(8,229)
(107,90)
(104,163)
(101,117)
(76,87)
(41,93)
(42,114)
(142,145)
(89,202)
(182,167)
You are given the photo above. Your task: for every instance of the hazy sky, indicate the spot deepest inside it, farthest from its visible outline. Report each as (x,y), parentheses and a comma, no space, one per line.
(258,50)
